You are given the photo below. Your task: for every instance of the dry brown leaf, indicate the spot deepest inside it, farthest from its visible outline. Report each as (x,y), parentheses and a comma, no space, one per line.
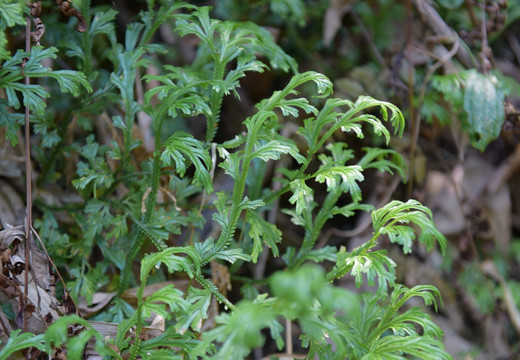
(443,201)
(452,197)
(43,308)
(221,277)
(40,267)
(158,322)
(7,236)
(12,209)
(488,267)
(12,160)
(40,306)
(333,17)
(54,195)
(99,301)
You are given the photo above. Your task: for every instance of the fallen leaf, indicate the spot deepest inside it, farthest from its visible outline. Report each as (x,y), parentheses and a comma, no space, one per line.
(99,301)
(221,277)
(333,18)
(453,197)
(12,160)
(12,209)
(9,235)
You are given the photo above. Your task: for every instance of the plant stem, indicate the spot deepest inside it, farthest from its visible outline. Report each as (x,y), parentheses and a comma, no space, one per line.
(215,102)
(87,39)
(28,175)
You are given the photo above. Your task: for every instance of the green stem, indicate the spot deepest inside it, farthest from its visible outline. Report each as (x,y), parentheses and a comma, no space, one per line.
(238,192)
(256,121)
(87,39)
(139,321)
(215,102)
(141,236)
(311,235)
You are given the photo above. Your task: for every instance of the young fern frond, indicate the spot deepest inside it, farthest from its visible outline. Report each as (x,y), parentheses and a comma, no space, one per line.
(19,340)
(255,123)
(24,64)
(389,219)
(227,41)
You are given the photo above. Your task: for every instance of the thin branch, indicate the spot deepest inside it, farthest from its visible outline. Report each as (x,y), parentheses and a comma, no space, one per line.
(417,119)
(288,336)
(439,27)
(28,219)
(369,38)
(411,91)
(57,272)
(485,63)
(5,323)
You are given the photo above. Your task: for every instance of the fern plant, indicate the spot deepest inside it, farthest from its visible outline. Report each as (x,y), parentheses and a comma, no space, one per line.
(120,217)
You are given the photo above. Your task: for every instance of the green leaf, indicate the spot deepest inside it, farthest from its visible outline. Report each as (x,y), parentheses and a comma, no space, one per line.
(483,102)
(404,337)
(103,24)
(274,149)
(349,210)
(132,35)
(374,265)
(289,107)
(367,102)
(262,232)
(173,262)
(401,347)
(34,95)
(198,23)
(231,165)
(153,231)
(231,255)
(10,122)
(302,195)
(57,334)
(244,64)
(199,301)
(182,144)
(376,158)
(349,176)
(171,341)
(313,127)
(326,253)
(293,10)
(4,53)
(89,280)
(241,330)
(19,340)
(167,295)
(402,235)
(390,218)
(70,81)
(11,14)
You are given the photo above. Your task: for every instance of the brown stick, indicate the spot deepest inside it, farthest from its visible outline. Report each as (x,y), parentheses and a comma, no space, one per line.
(437,24)
(28,219)
(411,91)
(503,173)
(76,308)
